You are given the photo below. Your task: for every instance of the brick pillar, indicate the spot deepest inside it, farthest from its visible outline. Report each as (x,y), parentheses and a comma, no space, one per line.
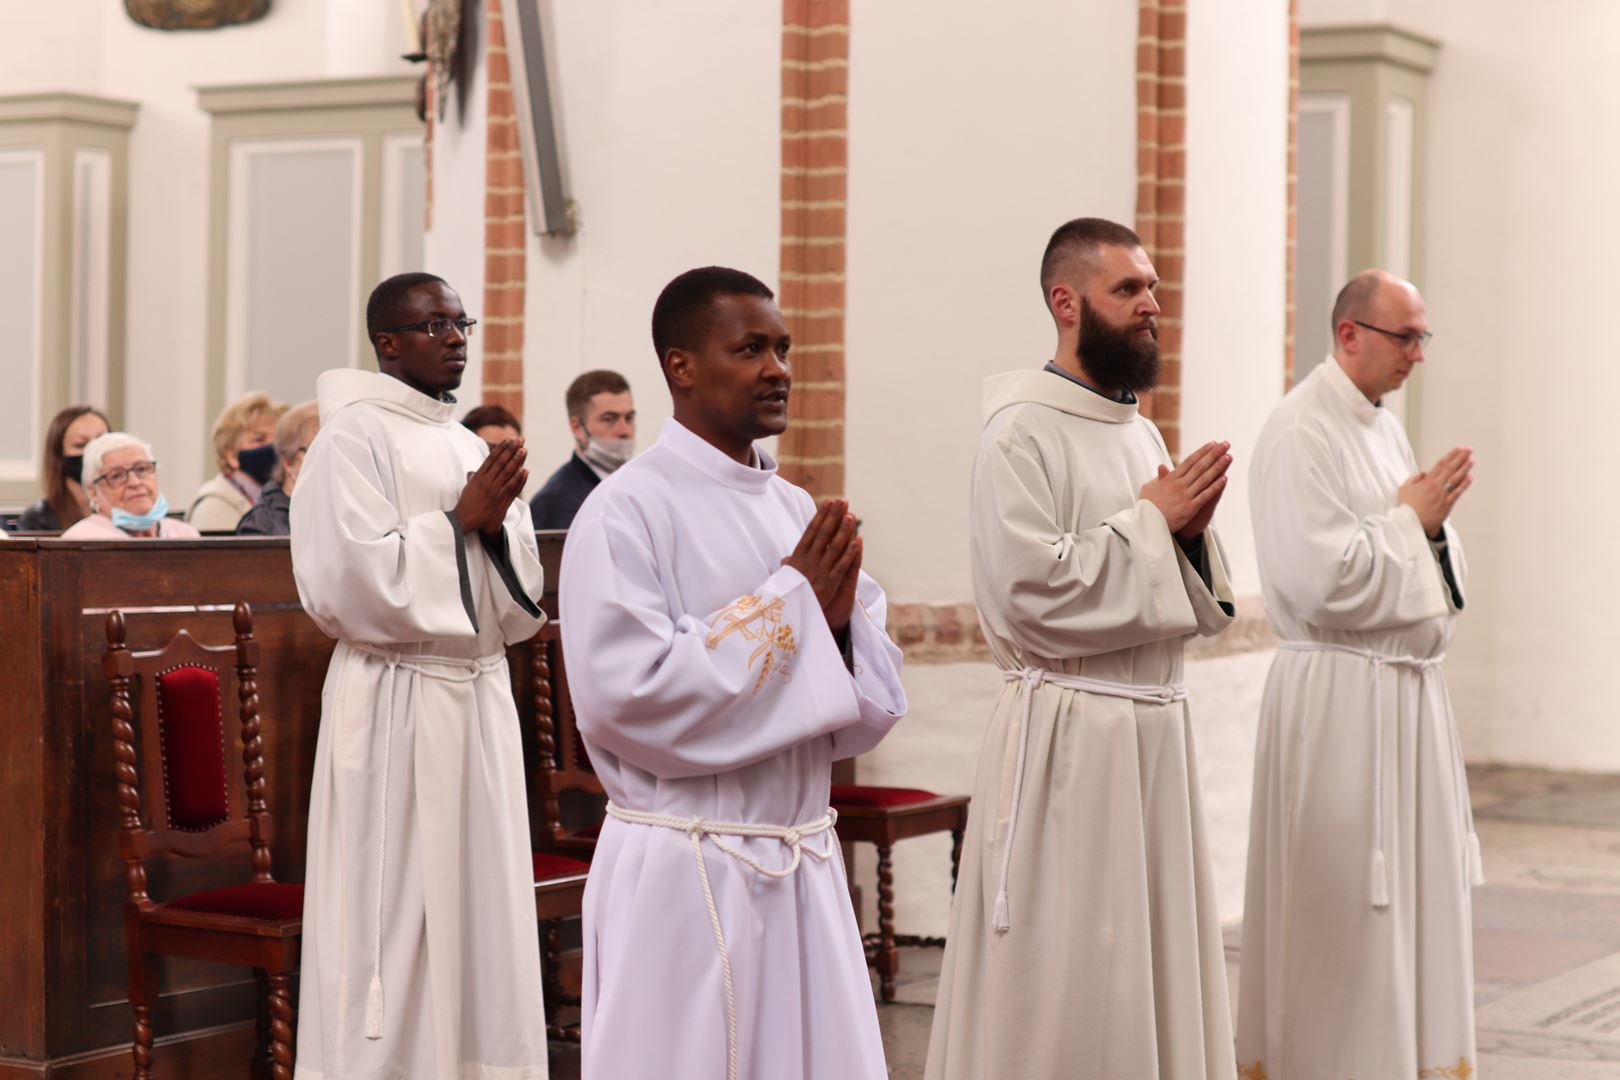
(505,234)
(1293,192)
(1161,187)
(815,159)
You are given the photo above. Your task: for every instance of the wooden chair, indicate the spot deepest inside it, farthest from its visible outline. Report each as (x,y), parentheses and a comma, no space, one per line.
(882,816)
(565,765)
(559,877)
(176,696)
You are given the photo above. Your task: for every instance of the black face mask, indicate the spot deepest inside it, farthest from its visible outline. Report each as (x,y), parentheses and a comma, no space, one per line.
(259,462)
(73,467)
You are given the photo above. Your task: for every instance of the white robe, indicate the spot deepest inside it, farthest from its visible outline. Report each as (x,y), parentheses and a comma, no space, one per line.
(382,567)
(1112,967)
(1332,985)
(707,683)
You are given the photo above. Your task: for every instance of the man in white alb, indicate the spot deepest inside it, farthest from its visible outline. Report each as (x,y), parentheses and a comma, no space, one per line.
(412,547)
(723,649)
(1084,940)
(1357,923)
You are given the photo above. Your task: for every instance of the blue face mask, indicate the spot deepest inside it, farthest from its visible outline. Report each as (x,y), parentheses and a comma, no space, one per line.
(141,522)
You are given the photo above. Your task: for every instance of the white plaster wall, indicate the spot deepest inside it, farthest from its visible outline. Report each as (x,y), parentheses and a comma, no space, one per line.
(1237,228)
(1521,188)
(670,128)
(964,156)
(93,46)
(55,46)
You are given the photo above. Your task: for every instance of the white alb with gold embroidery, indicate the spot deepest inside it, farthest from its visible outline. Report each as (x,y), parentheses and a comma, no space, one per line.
(713,699)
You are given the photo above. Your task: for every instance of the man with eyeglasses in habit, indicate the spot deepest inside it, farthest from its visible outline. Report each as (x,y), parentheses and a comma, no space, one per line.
(1357,927)
(412,547)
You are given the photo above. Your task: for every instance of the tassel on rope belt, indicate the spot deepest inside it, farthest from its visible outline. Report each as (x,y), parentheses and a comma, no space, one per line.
(697,830)
(1425,666)
(445,669)
(1033,678)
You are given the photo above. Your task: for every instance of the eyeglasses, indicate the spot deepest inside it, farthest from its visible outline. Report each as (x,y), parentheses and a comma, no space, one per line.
(1410,340)
(434,327)
(117,478)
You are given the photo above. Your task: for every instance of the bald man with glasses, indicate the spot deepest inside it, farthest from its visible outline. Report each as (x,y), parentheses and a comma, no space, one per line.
(1357,931)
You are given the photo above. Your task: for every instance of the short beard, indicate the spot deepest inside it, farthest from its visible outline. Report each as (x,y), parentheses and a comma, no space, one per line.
(1117,358)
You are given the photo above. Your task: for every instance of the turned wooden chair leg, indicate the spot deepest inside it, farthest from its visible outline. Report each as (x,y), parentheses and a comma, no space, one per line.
(281,1026)
(888,956)
(551,975)
(143,990)
(956,856)
(262,1060)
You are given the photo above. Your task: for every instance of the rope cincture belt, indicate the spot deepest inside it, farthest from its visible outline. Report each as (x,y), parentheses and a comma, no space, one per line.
(1426,667)
(1033,679)
(445,669)
(698,829)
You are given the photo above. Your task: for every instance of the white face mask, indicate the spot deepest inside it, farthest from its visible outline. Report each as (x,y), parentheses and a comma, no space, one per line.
(609,454)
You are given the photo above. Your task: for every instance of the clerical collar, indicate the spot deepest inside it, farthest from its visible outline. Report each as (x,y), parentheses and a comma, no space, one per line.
(1124,397)
(1336,377)
(716,463)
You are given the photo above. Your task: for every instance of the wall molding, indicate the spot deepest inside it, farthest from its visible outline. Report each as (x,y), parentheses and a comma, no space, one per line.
(379,91)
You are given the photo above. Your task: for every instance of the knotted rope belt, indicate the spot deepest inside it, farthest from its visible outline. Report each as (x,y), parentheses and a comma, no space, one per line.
(1427,667)
(444,669)
(1033,679)
(697,830)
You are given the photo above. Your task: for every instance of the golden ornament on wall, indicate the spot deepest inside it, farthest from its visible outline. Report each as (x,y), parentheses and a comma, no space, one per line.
(195,14)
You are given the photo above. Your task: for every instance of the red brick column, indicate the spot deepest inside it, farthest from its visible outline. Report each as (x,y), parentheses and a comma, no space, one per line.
(505,233)
(1293,192)
(815,160)
(1161,187)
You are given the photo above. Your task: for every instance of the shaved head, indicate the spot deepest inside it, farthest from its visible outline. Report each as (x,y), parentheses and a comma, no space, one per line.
(1359,299)
(1380,325)
(1071,253)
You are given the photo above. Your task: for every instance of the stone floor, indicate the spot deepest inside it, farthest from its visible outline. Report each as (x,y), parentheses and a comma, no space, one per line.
(1546,937)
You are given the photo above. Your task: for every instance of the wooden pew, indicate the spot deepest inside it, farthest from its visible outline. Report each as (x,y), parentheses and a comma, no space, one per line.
(62,965)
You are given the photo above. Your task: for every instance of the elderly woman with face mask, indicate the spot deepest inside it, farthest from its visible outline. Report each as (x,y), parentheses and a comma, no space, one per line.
(271,515)
(125,503)
(244,446)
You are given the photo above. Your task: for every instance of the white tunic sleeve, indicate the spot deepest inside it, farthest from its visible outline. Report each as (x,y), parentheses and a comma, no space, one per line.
(677,695)
(1212,603)
(365,573)
(515,556)
(1334,569)
(878,691)
(1064,594)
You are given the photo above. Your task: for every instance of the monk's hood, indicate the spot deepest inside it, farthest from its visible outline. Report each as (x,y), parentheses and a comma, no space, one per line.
(342,387)
(1040,387)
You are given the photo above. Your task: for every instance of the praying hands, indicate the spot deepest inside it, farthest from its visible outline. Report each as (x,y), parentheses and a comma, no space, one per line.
(829,556)
(491,490)
(1187,495)
(1432,493)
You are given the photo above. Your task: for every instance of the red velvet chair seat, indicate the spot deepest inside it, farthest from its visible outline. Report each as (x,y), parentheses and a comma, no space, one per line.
(274,901)
(877,797)
(547,866)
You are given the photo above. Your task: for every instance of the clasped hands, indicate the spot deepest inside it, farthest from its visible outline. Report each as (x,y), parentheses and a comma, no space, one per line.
(491,490)
(1433,492)
(829,557)
(1188,494)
